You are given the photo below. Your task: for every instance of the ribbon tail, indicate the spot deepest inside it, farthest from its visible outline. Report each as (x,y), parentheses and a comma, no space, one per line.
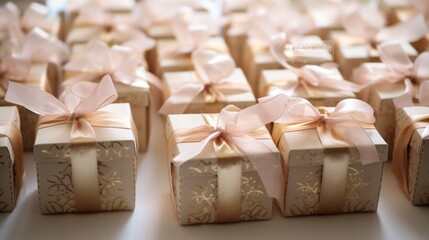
(150,78)
(179,100)
(194,151)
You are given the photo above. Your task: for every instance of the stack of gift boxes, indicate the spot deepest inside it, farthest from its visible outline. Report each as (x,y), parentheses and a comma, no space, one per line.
(265,102)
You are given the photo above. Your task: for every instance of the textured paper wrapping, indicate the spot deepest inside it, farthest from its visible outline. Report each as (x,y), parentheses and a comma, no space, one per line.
(303,156)
(271,80)
(183,62)
(194,183)
(350,52)
(38,77)
(236,42)
(10,173)
(257,57)
(381,100)
(400,15)
(418,158)
(116,158)
(137,97)
(174,80)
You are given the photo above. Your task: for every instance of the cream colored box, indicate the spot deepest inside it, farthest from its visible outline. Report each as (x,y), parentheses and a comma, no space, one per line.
(350,52)
(174,80)
(11,168)
(38,77)
(182,62)
(194,183)
(324,22)
(116,157)
(236,42)
(418,158)
(303,157)
(137,96)
(380,97)
(257,57)
(272,80)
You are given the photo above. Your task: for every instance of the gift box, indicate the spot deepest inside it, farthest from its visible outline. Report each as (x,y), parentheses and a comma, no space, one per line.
(167,62)
(200,104)
(402,14)
(236,41)
(351,51)
(324,174)
(38,77)
(136,94)
(115,155)
(197,184)
(11,162)
(272,81)
(325,19)
(389,6)
(257,56)
(417,172)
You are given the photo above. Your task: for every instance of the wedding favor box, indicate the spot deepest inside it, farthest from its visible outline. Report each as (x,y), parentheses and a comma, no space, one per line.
(167,61)
(116,160)
(351,51)
(236,41)
(195,182)
(272,80)
(257,56)
(389,6)
(38,77)
(175,80)
(418,156)
(11,165)
(303,166)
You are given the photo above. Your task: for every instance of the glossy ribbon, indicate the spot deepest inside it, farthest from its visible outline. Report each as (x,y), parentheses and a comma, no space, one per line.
(11,131)
(337,129)
(233,131)
(212,70)
(312,78)
(78,106)
(97,60)
(400,68)
(403,136)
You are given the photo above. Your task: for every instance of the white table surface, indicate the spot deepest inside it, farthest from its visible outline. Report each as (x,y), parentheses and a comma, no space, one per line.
(154,216)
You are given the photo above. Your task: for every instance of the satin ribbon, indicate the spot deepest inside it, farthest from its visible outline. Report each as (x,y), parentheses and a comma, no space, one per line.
(98,59)
(312,78)
(400,68)
(115,30)
(403,137)
(79,107)
(212,70)
(369,24)
(235,130)
(11,131)
(12,67)
(337,130)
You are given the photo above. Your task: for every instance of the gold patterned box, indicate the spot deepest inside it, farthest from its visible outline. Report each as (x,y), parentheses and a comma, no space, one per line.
(350,52)
(195,183)
(11,165)
(272,81)
(167,63)
(137,96)
(116,160)
(174,80)
(303,167)
(418,156)
(400,15)
(257,57)
(38,77)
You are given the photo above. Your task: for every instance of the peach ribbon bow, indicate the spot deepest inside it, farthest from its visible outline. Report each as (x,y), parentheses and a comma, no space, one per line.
(369,24)
(79,107)
(236,127)
(337,129)
(98,59)
(213,70)
(399,65)
(309,76)
(403,137)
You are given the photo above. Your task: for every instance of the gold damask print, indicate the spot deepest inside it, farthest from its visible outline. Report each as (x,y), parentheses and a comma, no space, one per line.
(60,191)
(111,186)
(307,194)
(252,191)
(204,167)
(359,191)
(203,203)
